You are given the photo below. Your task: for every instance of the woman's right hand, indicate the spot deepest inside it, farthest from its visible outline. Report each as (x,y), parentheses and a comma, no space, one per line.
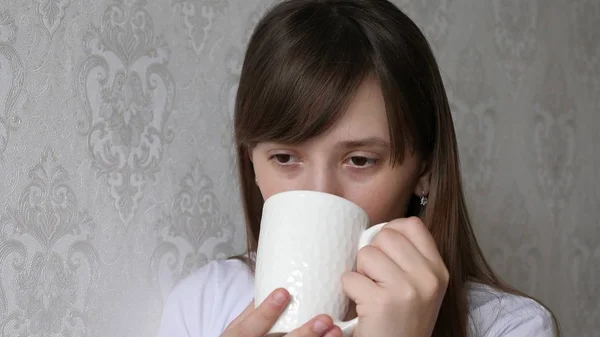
(257,322)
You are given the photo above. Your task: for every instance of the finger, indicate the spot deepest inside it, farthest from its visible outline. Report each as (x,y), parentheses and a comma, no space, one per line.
(259,321)
(400,250)
(249,309)
(334,332)
(359,288)
(373,263)
(416,232)
(316,327)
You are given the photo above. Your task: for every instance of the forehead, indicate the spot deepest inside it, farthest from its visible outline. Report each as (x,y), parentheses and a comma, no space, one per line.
(365,115)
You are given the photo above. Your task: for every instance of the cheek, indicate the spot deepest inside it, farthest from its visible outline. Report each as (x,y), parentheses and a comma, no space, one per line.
(268,181)
(384,203)
(269,188)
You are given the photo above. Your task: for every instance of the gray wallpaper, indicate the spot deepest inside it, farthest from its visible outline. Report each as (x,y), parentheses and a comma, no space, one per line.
(116,170)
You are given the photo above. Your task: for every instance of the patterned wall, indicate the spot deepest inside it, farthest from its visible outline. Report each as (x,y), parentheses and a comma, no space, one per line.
(117,178)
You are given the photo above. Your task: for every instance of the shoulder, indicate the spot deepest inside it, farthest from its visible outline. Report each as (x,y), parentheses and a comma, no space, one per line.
(203,303)
(229,276)
(494,313)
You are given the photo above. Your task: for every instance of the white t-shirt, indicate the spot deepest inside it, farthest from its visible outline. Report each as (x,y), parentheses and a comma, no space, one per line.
(204,303)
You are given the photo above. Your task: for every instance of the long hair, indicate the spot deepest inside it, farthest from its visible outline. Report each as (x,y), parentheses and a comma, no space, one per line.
(303,64)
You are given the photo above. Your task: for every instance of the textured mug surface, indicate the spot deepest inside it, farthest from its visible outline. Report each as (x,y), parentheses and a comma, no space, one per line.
(308,240)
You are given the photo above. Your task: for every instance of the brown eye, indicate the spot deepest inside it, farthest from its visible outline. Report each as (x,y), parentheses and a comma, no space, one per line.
(283,158)
(359,161)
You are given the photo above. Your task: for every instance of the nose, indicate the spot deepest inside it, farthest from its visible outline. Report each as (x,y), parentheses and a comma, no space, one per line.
(323,180)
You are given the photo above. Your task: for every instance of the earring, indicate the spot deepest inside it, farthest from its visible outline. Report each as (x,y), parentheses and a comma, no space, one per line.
(423,199)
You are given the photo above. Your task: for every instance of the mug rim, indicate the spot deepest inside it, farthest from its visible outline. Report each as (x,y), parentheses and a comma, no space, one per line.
(316,193)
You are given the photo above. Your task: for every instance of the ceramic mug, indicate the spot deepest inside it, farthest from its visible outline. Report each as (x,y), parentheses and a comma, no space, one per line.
(307,241)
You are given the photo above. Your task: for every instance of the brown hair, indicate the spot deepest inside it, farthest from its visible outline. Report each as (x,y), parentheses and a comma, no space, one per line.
(304,62)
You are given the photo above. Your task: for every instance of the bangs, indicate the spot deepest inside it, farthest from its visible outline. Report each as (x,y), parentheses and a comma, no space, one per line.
(310,70)
(309,96)
(300,78)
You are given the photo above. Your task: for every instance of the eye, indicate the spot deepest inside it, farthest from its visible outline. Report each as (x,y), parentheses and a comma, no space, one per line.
(283,158)
(362,162)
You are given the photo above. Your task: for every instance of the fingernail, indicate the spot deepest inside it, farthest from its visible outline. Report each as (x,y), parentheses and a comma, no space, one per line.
(319,327)
(279,297)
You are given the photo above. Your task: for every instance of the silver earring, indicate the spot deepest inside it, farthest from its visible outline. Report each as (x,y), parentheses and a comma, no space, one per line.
(423,199)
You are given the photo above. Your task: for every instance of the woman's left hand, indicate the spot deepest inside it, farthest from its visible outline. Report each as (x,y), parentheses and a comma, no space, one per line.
(399,283)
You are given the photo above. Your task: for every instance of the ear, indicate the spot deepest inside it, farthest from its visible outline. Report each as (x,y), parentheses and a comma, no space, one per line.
(424,180)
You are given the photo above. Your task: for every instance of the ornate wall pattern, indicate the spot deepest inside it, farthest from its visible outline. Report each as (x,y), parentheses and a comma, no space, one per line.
(117,175)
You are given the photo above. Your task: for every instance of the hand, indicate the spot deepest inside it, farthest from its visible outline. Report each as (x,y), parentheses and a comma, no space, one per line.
(400,282)
(257,322)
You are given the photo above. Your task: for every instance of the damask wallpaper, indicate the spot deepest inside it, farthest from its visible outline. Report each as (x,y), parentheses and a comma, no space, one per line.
(117,177)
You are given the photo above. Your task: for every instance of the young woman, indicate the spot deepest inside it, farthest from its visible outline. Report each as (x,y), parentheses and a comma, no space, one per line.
(345,97)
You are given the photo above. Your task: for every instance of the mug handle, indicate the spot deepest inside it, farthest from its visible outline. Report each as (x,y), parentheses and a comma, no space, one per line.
(365,238)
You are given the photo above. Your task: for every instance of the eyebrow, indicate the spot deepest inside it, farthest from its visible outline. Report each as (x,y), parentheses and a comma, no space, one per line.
(365,142)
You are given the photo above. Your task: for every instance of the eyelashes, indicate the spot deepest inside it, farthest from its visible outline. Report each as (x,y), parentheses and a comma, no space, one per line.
(356,162)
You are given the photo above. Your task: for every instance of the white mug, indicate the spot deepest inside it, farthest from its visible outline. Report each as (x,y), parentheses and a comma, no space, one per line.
(307,241)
